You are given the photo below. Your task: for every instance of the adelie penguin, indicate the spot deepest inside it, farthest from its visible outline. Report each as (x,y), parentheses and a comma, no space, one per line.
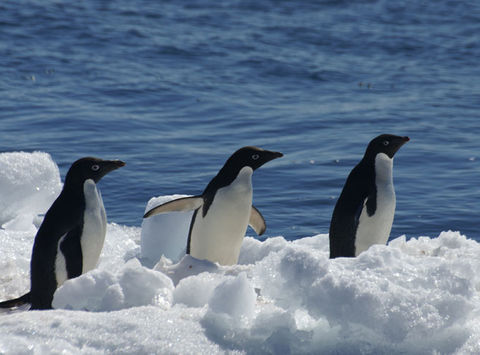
(70,238)
(224,209)
(364,212)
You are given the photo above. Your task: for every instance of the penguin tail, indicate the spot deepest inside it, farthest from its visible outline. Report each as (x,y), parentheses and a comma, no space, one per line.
(17,302)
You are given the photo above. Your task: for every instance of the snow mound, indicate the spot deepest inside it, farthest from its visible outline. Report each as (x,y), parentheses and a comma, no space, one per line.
(187,266)
(29,183)
(100,290)
(164,234)
(415,296)
(233,297)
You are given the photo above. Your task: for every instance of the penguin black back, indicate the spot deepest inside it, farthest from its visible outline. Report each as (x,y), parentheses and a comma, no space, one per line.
(64,218)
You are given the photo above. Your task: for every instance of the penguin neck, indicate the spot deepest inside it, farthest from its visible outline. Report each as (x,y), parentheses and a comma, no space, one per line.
(244,179)
(90,190)
(383,169)
(241,182)
(226,176)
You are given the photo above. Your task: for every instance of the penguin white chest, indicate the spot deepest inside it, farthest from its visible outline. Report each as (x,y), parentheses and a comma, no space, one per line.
(93,234)
(218,236)
(376,229)
(94,226)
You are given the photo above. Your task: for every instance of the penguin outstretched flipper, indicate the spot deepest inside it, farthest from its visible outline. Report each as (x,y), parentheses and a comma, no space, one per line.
(183,204)
(257,222)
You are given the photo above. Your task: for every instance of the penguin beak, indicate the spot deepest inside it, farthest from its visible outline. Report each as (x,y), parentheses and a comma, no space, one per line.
(119,163)
(273,155)
(111,165)
(398,143)
(403,140)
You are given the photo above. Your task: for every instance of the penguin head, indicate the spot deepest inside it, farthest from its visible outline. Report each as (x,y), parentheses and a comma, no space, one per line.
(251,156)
(388,144)
(90,168)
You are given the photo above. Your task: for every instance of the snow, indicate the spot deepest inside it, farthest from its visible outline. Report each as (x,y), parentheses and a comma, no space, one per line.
(164,234)
(38,179)
(412,296)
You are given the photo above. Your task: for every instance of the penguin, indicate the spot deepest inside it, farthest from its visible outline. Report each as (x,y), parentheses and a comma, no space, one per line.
(224,209)
(363,214)
(70,238)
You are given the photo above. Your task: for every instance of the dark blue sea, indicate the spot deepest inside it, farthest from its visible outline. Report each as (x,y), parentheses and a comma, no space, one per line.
(174,87)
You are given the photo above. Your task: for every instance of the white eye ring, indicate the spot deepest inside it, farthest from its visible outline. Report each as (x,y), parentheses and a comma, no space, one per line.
(255,156)
(385,143)
(95,167)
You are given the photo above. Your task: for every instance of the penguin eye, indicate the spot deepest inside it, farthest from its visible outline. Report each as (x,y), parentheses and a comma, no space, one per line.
(95,167)
(385,143)
(255,156)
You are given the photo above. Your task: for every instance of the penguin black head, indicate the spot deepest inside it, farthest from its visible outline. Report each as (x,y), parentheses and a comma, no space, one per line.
(388,144)
(251,156)
(90,168)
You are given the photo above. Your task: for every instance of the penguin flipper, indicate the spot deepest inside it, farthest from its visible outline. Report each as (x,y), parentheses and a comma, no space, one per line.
(17,302)
(257,222)
(360,208)
(183,204)
(72,251)
(369,203)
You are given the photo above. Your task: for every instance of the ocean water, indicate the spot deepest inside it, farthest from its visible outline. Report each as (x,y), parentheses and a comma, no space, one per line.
(174,87)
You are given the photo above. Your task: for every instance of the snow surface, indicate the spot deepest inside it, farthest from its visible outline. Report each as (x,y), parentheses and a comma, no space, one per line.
(29,183)
(164,234)
(418,296)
